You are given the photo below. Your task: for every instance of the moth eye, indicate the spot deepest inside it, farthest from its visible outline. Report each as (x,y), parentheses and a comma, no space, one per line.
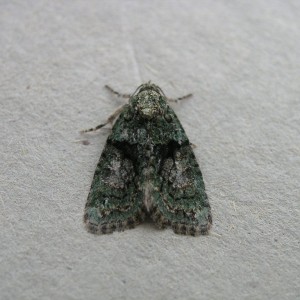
(168,117)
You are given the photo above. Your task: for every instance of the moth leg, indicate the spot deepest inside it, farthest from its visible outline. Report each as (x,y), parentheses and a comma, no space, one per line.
(117,93)
(180,98)
(110,119)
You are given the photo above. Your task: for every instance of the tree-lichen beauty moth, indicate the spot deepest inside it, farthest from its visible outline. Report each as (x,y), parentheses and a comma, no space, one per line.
(147,167)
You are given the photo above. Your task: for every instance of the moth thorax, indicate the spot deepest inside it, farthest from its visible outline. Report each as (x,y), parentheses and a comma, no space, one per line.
(148,105)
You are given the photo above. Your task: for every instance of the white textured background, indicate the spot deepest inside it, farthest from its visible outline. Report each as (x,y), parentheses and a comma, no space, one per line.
(241,59)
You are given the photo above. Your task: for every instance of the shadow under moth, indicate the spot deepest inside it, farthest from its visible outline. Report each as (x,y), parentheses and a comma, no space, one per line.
(147,168)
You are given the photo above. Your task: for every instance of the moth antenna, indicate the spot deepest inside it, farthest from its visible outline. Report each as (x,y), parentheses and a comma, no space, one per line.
(117,93)
(180,98)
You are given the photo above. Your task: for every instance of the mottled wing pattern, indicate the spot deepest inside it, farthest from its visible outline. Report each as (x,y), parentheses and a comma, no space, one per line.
(182,202)
(113,202)
(148,167)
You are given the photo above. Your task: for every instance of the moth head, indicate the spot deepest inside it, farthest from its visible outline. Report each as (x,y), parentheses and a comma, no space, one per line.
(148,101)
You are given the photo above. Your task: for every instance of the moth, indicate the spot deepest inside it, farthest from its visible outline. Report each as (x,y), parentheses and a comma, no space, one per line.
(147,169)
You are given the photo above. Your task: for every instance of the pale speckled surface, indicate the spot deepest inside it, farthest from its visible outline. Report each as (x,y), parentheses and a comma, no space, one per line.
(241,61)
